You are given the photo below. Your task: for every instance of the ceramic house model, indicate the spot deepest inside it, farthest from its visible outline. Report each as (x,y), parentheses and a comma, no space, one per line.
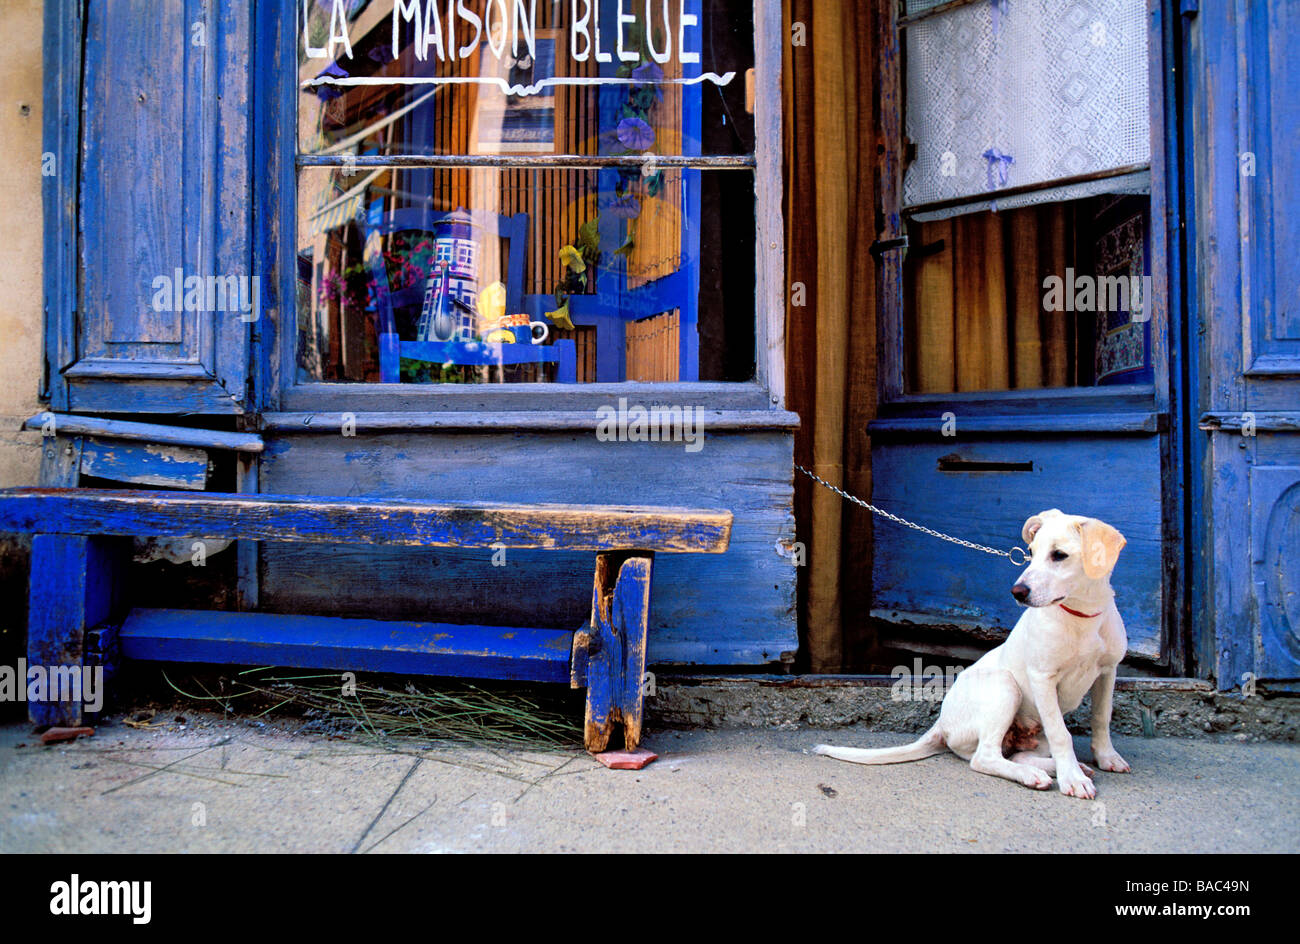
(457,250)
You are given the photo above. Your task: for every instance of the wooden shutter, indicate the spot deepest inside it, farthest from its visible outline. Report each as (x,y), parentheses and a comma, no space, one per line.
(161,194)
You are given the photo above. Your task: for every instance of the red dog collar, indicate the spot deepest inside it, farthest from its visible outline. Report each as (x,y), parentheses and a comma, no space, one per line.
(1077,613)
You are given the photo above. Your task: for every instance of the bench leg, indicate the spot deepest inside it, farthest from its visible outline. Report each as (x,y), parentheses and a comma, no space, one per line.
(616,641)
(70,590)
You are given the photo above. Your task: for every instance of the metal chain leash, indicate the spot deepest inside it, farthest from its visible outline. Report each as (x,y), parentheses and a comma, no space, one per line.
(1023,556)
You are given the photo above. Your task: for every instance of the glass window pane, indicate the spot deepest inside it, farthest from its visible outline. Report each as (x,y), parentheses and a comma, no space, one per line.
(1053,295)
(501,275)
(525,77)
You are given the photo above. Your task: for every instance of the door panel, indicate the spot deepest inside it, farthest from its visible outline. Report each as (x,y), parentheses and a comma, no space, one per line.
(166,295)
(1275,539)
(982,490)
(1245,87)
(1273,122)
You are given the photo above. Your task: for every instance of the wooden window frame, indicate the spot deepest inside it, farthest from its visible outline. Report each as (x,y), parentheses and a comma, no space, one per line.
(1119,399)
(274,359)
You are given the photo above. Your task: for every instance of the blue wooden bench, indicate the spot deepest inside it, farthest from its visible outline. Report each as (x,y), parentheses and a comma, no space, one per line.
(76,614)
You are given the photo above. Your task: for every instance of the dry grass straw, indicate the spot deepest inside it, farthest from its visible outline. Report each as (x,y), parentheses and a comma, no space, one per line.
(454,711)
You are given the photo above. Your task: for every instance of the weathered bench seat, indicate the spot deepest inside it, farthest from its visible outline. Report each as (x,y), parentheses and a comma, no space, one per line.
(76,614)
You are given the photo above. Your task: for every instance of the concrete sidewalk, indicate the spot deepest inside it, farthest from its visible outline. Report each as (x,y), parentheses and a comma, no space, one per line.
(215,785)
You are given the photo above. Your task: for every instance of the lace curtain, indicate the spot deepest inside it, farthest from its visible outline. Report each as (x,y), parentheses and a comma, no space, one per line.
(1011,93)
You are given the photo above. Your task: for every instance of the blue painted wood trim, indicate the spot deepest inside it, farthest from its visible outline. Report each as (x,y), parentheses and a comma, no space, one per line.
(1062,423)
(488,399)
(358,645)
(332,423)
(311,519)
(67,423)
(265,238)
(108,395)
(61,137)
(692,144)
(145,465)
(1196,456)
(232,185)
(1274,421)
(1170,357)
(887,204)
(276,131)
(1117,398)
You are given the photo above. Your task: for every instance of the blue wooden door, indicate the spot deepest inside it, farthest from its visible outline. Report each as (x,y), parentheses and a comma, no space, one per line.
(997,401)
(152,300)
(1245,104)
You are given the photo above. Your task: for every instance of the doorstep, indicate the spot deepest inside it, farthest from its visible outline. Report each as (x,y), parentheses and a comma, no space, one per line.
(1177,707)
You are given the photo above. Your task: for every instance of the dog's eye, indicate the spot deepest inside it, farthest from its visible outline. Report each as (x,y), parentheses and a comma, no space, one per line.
(1059,555)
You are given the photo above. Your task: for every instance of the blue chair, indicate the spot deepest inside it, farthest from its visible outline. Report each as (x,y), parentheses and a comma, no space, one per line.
(390,302)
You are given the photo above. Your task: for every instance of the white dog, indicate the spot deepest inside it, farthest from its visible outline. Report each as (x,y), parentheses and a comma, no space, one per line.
(1068,641)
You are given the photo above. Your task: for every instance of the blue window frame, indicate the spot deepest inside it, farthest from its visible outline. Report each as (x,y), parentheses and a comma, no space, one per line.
(279,384)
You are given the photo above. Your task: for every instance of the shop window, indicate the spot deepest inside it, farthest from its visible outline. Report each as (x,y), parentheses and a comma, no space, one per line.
(1026,195)
(498,192)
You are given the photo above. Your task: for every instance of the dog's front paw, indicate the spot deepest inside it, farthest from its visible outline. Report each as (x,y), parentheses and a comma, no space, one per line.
(1110,760)
(1034,778)
(1076,784)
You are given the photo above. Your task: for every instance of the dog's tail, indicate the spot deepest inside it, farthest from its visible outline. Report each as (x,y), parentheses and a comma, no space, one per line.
(927,745)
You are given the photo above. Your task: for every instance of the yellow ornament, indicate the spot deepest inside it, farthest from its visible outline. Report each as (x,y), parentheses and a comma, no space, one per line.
(492,305)
(573,259)
(560,317)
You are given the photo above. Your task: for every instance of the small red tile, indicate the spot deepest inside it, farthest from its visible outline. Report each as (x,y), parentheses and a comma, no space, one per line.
(627,760)
(52,735)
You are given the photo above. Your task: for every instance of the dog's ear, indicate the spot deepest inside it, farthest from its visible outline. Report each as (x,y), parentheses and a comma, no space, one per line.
(1101,547)
(1032,525)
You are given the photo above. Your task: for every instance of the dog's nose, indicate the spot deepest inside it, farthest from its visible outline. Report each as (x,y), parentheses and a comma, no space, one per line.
(1020,592)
